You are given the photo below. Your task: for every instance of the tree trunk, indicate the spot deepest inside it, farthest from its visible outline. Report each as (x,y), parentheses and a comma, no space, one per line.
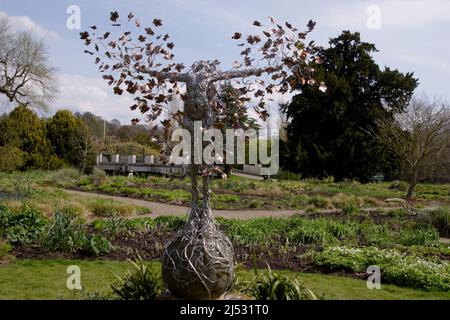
(412,185)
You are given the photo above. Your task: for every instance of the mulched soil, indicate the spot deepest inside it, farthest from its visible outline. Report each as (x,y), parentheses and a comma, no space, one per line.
(150,245)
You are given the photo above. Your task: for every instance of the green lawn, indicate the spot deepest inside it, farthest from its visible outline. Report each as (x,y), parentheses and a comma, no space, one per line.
(46,279)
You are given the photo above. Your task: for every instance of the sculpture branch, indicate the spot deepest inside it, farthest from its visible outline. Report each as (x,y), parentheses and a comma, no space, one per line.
(227,75)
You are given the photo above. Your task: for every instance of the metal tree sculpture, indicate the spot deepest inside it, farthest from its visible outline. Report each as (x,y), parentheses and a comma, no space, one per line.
(199,262)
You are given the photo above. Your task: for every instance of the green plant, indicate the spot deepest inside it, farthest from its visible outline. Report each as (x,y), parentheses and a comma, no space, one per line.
(66,232)
(171,222)
(97,176)
(5,249)
(350,208)
(398,185)
(404,269)
(21,226)
(113,226)
(140,283)
(275,286)
(320,202)
(65,177)
(11,158)
(99,245)
(440,219)
(109,208)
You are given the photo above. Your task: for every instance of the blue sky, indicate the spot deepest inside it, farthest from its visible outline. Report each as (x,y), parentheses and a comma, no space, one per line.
(413,35)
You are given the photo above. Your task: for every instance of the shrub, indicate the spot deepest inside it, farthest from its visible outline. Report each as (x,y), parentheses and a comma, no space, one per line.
(11,158)
(22,226)
(401,269)
(274,286)
(140,283)
(66,232)
(99,245)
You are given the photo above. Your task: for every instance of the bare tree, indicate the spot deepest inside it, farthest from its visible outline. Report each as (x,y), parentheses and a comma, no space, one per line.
(199,262)
(25,77)
(420,137)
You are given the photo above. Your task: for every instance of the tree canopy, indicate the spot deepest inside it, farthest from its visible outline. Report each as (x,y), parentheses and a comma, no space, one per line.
(331,134)
(25,77)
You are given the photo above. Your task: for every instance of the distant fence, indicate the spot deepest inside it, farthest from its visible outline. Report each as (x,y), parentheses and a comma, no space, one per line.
(125,164)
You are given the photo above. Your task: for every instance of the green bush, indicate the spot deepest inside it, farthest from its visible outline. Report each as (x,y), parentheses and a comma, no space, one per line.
(99,245)
(140,283)
(66,232)
(275,286)
(403,269)
(11,158)
(22,226)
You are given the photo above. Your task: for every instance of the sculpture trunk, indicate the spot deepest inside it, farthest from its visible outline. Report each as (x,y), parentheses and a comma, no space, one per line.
(198,263)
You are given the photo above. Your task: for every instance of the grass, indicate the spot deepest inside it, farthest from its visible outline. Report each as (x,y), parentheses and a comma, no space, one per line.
(46,279)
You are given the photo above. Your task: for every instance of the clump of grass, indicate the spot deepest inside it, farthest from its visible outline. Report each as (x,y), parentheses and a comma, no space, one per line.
(397,213)
(320,202)
(140,283)
(65,177)
(109,208)
(347,203)
(5,250)
(275,286)
(171,222)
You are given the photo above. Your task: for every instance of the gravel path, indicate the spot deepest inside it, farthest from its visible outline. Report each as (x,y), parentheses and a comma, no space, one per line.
(163,209)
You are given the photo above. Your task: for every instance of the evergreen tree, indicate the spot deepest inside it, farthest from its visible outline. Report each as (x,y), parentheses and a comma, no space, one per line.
(331,133)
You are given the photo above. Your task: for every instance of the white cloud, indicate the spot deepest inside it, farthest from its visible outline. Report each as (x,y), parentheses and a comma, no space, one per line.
(24,23)
(80,93)
(400,14)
